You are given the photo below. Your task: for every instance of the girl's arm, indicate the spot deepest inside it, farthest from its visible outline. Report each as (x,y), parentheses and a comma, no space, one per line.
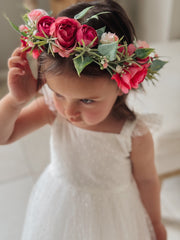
(16,120)
(145,174)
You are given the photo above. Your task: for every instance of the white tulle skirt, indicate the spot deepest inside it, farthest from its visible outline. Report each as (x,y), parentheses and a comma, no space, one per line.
(58,211)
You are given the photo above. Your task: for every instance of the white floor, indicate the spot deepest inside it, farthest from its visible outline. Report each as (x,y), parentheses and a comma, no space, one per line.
(19,170)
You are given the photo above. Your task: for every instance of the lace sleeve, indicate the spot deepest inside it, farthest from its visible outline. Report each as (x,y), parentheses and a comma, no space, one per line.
(147,122)
(48,96)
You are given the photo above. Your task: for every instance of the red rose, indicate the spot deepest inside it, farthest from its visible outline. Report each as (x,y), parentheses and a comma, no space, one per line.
(64,29)
(24,43)
(132,77)
(138,75)
(123,81)
(87,34)
(144,61)
(44,24)
(36,52)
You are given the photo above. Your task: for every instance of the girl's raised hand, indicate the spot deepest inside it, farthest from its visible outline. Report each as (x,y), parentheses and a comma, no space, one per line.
(21,82)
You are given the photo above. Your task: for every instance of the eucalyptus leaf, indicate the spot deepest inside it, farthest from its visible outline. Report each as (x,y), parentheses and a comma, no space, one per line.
(80,63)
(157,65)
(50,13)
(143,52)
(109,50)
(100,31)
(82,13)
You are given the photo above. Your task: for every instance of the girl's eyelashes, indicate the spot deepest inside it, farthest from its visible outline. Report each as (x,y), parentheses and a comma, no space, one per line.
(87,101)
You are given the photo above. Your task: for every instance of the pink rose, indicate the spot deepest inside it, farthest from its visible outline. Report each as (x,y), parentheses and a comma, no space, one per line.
(64,29)
(87,34)
(142,44)
(130,49)
(36,14)
(44,24)
(23,28)
(108,38)
(131,78)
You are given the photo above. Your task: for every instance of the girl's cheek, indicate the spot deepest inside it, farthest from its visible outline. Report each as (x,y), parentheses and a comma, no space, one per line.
(94,116)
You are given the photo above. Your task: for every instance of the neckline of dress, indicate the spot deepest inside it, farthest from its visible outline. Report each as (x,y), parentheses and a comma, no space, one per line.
(97,132)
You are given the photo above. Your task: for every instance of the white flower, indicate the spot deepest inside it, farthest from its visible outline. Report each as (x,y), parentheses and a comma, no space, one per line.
(108,38)
(118,69)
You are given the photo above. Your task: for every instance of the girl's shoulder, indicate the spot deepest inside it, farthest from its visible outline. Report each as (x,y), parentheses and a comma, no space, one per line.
(146,123)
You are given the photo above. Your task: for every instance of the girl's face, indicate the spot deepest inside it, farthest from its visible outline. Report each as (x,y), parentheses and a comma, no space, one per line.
(84,101)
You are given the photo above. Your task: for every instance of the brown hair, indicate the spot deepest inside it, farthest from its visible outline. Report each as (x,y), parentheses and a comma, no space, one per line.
(116,21)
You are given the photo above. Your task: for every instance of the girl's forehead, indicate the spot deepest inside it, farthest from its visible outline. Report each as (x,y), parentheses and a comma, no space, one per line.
(72,84)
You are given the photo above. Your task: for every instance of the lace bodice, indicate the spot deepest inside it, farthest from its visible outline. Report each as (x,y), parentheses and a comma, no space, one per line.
(91,159)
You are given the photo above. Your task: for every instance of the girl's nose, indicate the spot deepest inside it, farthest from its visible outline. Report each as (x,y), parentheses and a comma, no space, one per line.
(72,110)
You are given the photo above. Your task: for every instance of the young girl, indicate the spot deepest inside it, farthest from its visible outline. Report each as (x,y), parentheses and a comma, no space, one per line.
(101,183)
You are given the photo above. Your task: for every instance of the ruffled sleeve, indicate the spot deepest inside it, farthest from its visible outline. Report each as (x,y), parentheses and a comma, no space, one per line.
(48,96)
(147,122)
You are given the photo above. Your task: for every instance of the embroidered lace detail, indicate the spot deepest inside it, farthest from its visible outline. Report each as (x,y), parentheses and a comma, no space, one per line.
(147,122)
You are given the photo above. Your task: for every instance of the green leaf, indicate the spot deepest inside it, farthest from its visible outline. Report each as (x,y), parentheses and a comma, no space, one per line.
(39,37)
(109,50)
(26,18)
(157,65)
(95,16)
(100,31)
(143,52)
(80,63)
(82,13)
(16,28)
(50,13)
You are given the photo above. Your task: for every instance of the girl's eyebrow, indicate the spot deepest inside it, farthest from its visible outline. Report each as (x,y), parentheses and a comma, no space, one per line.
(93,97)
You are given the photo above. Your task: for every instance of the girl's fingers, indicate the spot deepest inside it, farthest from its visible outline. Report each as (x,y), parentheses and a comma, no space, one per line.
(16,61)
(19,52)
(15,72)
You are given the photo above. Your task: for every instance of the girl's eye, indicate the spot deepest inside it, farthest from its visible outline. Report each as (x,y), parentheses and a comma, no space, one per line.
(87,101)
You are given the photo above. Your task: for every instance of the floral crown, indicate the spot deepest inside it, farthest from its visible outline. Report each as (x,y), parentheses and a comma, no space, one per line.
(127,64)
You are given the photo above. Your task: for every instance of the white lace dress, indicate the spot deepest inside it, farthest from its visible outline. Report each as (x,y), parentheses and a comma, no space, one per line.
(87,192)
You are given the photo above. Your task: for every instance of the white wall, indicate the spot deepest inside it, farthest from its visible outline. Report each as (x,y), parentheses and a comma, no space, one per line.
(154,20)
(175,24)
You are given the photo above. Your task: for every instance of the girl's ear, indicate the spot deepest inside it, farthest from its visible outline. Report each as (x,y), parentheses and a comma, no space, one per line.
(120,93)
